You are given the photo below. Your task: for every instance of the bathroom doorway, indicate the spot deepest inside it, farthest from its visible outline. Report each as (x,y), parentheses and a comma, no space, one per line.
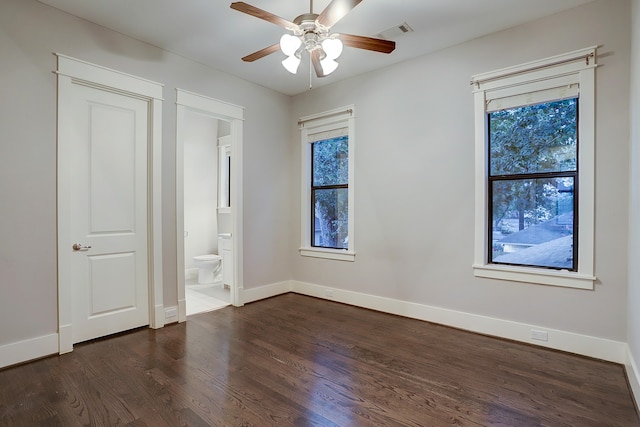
(208,146)
(204,220)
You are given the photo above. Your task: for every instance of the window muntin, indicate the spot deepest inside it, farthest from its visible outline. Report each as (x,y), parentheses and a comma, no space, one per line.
(329,193)
(532,181)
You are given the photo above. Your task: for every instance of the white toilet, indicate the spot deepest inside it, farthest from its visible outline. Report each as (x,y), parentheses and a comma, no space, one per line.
(209,267)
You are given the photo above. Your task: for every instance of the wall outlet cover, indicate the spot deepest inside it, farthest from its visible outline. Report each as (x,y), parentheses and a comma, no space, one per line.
(539,335)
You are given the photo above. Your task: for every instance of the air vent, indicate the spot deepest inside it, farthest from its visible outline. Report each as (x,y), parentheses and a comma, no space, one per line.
(395,32)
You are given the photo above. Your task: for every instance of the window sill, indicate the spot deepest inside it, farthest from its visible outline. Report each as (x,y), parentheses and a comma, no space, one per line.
(567,279)
(337,254)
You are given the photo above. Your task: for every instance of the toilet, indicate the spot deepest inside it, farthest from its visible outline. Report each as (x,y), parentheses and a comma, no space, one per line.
(209,267)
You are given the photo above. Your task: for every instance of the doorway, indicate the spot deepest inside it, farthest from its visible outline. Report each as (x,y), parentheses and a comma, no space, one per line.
(208,172)
(204,219)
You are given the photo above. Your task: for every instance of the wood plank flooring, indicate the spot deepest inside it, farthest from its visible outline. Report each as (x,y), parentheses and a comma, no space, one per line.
(298,361)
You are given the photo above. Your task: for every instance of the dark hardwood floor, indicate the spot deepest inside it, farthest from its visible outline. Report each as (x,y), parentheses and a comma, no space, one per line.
(299,361)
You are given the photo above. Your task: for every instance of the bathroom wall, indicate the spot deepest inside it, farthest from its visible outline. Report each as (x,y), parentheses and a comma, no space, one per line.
(200,186)
(224,222)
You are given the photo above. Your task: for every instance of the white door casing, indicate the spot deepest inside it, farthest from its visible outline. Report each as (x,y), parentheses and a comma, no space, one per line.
(108,202)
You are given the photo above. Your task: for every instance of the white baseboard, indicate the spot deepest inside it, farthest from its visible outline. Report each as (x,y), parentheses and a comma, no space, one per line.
(586,345)
(600,348)
(633,376)
(266,291)
(23,351)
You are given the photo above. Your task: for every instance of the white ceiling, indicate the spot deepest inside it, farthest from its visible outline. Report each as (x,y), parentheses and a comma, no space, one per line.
(210,32)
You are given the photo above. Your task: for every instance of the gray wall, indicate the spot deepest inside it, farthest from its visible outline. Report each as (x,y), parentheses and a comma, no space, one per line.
(414,177)
(29,33)
(633,335)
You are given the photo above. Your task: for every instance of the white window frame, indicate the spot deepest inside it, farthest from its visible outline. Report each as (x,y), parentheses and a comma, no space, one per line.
(572,68)
(327,121)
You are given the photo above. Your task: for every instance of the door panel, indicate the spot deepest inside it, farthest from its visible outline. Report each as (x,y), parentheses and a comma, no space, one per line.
(109,275)
(112,168)
(112,283)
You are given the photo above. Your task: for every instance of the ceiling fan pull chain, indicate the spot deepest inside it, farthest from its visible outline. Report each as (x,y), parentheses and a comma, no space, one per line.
(310,73)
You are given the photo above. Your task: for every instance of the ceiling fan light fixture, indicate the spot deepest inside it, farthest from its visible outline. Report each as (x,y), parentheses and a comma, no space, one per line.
(311,32)
(328,65)
(332,48)
(291,64)
(289,44)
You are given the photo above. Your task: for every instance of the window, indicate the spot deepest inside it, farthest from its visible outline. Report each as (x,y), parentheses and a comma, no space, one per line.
(535,171)
(532,176)
(224,172)
(327,185)
(330,193)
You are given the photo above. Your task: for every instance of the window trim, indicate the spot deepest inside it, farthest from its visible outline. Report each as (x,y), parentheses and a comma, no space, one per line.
(327,121)
(577,67)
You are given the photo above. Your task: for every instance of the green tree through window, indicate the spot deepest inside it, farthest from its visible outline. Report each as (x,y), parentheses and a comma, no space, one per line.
(329,193)
(532,181)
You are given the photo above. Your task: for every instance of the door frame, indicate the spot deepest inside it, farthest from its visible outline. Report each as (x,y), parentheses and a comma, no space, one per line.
(216,109)
(71,71)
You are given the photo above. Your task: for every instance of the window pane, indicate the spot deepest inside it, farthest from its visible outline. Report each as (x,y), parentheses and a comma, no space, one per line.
(330,228)
(534,138)
(331,161)
(532,222)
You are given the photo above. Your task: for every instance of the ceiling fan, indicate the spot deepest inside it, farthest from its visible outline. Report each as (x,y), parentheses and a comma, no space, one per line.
(310,32)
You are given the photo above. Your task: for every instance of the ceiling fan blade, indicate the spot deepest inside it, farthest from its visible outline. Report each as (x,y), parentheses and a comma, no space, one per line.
(335,11)
(315,58)
(369,43)
(262,53)
(243,7)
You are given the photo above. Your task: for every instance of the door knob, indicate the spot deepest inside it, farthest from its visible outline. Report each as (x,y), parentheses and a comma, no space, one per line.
(80,247)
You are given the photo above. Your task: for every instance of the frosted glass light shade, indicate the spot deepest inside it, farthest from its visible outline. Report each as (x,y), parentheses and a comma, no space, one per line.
(289,44)
(328,65)
(291,64)
(332,47)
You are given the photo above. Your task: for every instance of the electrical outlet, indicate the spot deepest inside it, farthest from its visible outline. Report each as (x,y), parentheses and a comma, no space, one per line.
(539,335)
(328,293)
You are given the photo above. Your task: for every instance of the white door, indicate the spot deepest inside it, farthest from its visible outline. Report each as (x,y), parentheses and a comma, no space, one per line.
(108,212)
